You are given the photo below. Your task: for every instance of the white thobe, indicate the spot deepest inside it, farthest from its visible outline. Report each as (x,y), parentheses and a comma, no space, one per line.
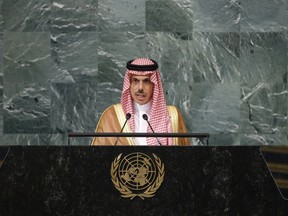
(141,124)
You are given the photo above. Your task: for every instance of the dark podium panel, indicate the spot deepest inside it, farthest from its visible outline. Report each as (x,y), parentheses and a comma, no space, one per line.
(198,180)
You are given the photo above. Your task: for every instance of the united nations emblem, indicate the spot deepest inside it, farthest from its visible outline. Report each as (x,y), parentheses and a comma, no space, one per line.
(137,174)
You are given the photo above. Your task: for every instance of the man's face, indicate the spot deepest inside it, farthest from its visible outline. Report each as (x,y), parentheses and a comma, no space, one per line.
(141,89)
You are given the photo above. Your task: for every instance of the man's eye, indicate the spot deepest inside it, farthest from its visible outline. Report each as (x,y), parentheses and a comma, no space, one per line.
(135,81)
(147,81)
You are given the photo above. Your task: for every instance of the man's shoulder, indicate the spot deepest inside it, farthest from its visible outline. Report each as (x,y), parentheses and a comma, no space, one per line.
(172,109)
(111,109)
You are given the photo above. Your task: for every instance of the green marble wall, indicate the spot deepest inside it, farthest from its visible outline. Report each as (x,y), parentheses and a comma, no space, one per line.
(223,63)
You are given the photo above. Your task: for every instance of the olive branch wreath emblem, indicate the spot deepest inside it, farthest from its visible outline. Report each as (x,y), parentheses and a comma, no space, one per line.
(125,191)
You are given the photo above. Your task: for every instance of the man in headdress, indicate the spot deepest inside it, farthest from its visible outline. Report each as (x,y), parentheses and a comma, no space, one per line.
(142,94)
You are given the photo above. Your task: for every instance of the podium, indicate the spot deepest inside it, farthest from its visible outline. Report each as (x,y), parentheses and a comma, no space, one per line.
(198,180)
(201,136)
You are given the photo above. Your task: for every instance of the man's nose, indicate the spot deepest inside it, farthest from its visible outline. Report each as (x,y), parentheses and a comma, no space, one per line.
(140,85)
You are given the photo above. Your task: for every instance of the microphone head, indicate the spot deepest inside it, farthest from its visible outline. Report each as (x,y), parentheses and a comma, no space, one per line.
(128,116)
(145,117)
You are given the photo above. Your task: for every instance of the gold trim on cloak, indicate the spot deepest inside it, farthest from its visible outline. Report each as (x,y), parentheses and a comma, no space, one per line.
(174,122)
(122,118)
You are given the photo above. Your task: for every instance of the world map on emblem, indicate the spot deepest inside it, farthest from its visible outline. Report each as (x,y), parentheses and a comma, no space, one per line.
(137,171)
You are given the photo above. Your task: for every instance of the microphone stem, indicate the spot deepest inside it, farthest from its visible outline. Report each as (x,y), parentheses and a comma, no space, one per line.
(153,132)
(121,131)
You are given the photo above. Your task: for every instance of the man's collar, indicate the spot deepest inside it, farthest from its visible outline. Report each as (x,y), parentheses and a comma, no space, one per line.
(142,108)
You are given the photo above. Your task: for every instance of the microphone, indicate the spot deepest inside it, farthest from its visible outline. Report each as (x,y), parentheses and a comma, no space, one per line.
(145,117)
(128,116)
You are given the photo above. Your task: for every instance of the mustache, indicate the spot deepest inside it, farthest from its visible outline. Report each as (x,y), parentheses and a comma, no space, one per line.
(140,91)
